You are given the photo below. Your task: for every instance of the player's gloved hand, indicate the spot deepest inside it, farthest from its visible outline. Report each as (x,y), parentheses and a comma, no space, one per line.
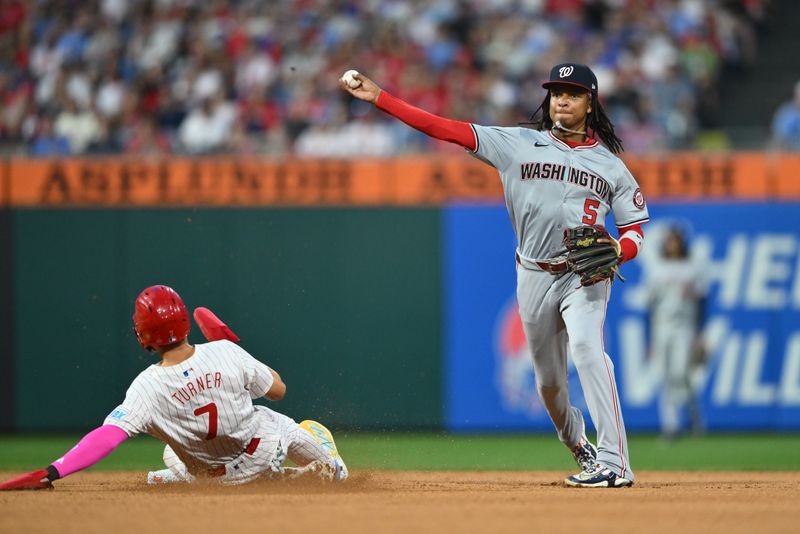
(212,326)
(592,253)
(29,481)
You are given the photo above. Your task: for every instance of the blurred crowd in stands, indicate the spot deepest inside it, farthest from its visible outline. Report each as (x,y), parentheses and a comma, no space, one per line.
(261,77)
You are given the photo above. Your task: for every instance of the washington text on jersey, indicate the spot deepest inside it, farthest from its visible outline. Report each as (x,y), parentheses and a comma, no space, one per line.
(556,171)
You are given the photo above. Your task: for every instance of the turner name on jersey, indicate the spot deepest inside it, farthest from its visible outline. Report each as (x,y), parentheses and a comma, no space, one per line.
(197,385)
(202,407)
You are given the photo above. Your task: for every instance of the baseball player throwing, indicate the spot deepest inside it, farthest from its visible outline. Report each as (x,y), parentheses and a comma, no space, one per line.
(199,401)
(560,183)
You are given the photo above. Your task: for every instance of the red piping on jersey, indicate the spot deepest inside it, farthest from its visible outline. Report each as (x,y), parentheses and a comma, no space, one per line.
(577,145)
(636,227)
(613,388)
(453,131)
(589,143)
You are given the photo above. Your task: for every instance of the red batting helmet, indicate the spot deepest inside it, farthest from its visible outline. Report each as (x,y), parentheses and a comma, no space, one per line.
(160,317)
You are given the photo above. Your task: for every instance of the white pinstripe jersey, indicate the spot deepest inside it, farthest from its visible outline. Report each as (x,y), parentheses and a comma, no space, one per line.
(202,407)
(549,186)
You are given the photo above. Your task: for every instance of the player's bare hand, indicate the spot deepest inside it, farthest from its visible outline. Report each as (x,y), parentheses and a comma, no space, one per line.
(366,90)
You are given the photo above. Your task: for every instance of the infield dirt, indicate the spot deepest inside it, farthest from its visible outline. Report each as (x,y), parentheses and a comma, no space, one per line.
(412,502)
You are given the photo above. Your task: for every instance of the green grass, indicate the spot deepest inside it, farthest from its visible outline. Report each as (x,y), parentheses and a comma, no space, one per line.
(396,450)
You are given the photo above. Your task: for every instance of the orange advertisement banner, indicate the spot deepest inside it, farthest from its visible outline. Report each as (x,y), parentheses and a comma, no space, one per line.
(422,180)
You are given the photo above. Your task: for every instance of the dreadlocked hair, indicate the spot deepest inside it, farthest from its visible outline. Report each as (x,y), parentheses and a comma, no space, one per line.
(597,121)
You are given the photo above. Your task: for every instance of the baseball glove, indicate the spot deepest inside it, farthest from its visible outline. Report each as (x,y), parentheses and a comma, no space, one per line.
(592,253)
(29,481)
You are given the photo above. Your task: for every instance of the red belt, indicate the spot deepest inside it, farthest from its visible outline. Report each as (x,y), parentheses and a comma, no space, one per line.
(554,267)
(252,446)
(250,449)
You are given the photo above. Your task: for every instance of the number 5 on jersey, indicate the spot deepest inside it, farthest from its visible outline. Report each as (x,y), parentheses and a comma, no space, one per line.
(211,410)
(590,209)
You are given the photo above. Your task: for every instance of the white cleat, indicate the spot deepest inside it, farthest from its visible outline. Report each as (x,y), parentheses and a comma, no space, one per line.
(176,470)
(164,476)
(341,470)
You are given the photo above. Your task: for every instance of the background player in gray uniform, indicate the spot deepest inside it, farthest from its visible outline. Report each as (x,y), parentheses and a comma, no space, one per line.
(676,289)
(556,176)
(199,401)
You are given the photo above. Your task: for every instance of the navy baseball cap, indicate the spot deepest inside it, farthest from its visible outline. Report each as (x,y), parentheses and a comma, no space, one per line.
(572,74)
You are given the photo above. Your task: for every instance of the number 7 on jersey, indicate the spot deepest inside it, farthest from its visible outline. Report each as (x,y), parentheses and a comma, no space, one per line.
(211,410)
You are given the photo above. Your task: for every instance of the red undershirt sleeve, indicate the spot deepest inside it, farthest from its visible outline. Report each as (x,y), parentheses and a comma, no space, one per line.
(629,250)
(630,244)
(453,131)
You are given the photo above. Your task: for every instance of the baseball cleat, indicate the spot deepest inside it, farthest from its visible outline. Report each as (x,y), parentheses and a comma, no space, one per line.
(585,454)
(341,469)
(597,477)
(324,437)
(164,476)
(320,468)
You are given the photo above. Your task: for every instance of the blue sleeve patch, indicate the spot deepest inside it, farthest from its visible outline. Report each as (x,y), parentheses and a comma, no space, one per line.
(118,414)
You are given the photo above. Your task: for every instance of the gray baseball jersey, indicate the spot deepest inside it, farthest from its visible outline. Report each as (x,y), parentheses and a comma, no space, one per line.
(202,408)
(548,187)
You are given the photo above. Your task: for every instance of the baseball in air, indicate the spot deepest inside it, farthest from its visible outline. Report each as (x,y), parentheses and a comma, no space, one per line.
(350,80)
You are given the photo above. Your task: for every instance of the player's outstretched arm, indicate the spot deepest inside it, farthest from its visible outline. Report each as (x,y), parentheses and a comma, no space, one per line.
(452,131)
(94,446)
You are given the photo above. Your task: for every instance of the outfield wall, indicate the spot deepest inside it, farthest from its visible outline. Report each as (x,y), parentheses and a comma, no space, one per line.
(343,302)
(378,289)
